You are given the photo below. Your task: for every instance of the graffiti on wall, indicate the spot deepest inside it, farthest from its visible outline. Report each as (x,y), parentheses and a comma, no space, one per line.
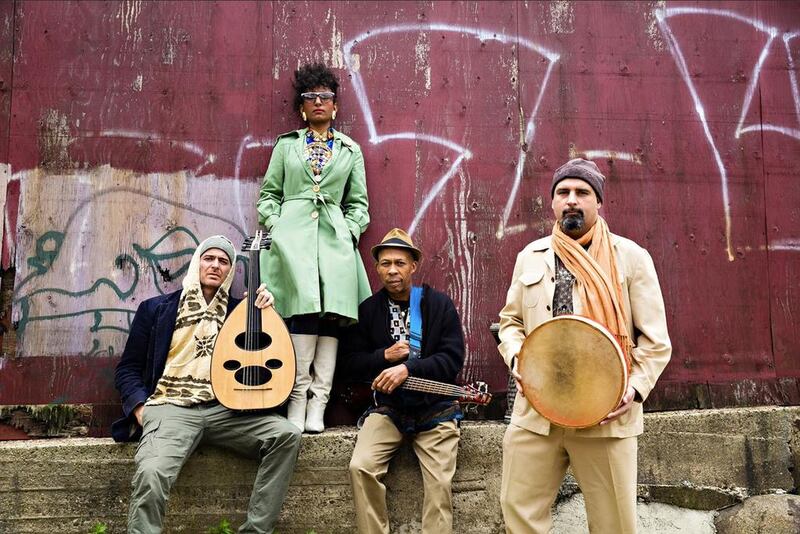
(774,38)
(89,254)
(83,285)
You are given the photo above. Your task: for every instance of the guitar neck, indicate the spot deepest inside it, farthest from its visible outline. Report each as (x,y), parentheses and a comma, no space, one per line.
(424,385)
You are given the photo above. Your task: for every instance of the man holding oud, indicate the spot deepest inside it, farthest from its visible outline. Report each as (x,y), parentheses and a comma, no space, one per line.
(164,380)
(581,269)
(404,333)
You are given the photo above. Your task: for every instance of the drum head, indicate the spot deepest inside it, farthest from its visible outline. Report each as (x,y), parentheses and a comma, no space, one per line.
(573,371)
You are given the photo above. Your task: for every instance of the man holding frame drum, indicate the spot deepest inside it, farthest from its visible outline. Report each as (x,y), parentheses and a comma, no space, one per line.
(619,335)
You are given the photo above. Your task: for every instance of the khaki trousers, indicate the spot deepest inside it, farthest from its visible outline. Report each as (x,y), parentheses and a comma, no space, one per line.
(534,467)
(377,442)
(172,433)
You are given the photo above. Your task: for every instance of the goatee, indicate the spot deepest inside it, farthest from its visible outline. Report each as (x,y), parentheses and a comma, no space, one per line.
(572,221)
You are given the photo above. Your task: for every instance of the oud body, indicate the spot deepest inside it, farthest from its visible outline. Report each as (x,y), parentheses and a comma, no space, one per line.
(253,365)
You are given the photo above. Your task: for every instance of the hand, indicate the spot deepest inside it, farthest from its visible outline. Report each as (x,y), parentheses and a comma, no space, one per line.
(264,299)
(137,413)
(624,406)
(397,352)
(390,379)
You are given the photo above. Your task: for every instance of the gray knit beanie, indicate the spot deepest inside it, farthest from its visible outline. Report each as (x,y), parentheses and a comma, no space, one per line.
(221,242)
(583,169)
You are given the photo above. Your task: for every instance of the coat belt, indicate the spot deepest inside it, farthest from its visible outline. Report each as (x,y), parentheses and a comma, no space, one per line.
(326,201)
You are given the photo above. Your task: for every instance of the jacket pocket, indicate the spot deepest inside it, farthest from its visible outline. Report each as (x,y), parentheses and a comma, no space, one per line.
(532,289)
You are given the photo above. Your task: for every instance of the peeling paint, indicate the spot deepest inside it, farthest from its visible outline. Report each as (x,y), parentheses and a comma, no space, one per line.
(562,17)
(334,57)
(54,140)
(651,25)
(612,155)
(128,14)
(168,52)
(422,52)
(355,62)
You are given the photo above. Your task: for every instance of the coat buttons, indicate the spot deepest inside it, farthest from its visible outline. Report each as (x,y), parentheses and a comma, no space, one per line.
(315,188)
(314,214)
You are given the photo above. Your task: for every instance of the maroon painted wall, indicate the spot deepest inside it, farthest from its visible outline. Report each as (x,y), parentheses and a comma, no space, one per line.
(463,110)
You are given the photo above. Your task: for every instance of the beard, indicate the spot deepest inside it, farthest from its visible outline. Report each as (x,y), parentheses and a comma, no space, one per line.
(572,221)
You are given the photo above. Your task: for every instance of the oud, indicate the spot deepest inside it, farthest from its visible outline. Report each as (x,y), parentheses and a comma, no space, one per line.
(253,365)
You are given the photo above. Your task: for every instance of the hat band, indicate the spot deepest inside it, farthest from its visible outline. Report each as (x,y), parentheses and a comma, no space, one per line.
(394,241)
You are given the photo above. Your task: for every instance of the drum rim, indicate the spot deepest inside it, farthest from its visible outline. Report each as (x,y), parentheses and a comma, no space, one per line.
(602,329)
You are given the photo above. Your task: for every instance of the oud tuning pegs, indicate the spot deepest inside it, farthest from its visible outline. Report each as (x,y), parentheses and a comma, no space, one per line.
(248,242)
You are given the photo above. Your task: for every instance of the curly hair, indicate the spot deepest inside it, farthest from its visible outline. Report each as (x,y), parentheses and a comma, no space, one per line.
(308,77)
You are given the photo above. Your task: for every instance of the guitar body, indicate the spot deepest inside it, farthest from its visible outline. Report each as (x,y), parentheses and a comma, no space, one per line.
(253,364)
(245,379)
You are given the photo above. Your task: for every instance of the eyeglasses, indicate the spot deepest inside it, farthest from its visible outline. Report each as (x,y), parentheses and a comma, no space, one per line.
(324,96)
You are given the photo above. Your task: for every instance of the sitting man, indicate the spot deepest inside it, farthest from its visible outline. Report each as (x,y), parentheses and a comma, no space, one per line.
(377,349)
(164,380)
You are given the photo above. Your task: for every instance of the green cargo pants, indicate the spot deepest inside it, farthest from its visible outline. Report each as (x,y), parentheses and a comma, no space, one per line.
(172,433)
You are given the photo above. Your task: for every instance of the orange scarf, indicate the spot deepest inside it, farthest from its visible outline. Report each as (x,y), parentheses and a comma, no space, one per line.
(596,279)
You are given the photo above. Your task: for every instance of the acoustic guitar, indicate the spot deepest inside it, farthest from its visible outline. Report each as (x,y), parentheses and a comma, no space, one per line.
(253,364)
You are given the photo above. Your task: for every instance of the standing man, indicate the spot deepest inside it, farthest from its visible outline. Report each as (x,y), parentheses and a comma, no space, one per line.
(164,380)
(580,265)
(379,351)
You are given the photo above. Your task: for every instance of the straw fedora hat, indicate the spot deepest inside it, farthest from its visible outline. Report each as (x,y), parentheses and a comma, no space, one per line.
(397,238)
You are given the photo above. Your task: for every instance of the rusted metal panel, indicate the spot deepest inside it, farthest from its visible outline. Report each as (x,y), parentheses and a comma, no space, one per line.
(143,126)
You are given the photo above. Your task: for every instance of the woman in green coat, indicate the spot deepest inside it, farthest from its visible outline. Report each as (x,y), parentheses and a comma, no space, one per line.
(314,202)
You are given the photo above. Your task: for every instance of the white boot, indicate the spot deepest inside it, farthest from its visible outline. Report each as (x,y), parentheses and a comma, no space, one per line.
(324,367)
(304,348)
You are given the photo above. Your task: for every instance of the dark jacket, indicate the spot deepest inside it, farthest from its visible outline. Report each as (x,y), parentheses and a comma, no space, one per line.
(144,358)
(442,346)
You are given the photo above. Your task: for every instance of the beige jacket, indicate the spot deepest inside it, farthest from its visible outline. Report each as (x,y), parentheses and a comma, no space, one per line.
(529,303)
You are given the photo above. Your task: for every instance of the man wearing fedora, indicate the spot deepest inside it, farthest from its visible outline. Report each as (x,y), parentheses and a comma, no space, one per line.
(581,269)
(385,348)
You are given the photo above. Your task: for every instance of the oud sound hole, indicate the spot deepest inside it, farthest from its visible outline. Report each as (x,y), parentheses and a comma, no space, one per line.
(252,375)
(260,341)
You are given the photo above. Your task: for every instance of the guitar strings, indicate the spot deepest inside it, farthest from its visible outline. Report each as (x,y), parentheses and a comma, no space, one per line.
(430,386)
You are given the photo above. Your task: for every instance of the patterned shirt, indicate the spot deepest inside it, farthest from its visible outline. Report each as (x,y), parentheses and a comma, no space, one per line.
(319,151)
(562,296)
(399,320)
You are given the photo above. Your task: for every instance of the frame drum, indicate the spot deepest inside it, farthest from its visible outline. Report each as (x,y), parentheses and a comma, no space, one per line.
(573,371)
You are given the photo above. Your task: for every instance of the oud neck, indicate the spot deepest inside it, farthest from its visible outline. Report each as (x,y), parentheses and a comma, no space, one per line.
(253,279)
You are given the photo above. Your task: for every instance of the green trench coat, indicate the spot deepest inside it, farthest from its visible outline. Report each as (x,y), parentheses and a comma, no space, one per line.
(314,265)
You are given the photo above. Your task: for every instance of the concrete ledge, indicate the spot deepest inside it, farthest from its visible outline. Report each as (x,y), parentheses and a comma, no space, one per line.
(700,459)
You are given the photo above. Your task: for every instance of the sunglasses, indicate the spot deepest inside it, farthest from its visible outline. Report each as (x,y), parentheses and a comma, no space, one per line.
(325,96)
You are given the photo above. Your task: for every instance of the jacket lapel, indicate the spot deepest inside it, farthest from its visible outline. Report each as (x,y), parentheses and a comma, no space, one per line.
(337,148)
(549,274)
(299,144)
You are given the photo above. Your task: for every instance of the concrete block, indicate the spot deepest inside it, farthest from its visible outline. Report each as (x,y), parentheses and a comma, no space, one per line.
(65,486)
(728,449)
(702,460)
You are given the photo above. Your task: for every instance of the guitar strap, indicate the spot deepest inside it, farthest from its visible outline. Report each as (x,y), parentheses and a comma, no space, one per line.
(415,311)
